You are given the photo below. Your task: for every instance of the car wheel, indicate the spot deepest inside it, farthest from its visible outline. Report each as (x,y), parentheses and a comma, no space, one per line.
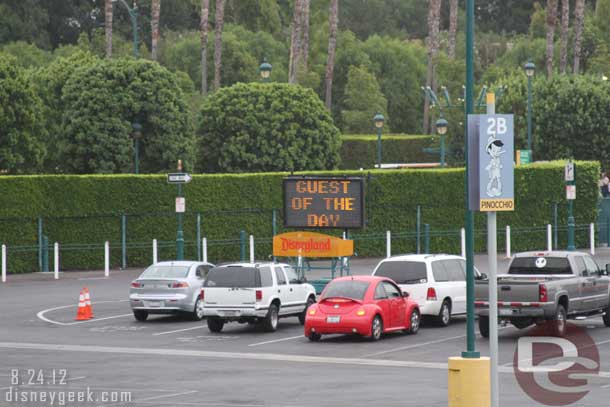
(376,328)
(444,316)
(559,322)
(271,320)
(197,314)
(484,326)
(303,314)
(314,337)
(215,324)
(415,320)
(140,315)
(606,317)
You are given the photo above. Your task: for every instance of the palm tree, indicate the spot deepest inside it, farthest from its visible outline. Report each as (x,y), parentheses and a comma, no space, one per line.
(551,22)
(295,42)
(154,24)
(108,26)
(565,31)
(453,23)
(433,43)
(333,22)
(579,23)
(220,17)
(304,50)
(203,28)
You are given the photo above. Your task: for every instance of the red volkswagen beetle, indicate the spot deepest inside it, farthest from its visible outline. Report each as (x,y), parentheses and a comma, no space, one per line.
(363,305)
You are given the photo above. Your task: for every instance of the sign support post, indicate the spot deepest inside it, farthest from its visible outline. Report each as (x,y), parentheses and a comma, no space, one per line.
(570,172)
(180,178)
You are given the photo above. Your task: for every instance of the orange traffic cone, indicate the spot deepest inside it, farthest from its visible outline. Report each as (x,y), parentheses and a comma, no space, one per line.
(81,314)
(88,303)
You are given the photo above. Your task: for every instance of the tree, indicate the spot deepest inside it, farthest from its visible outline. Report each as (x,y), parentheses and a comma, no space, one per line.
(453,23)
(203,29)
(103,100)
(154,25)
(363,99)
(433,43)
(295,42)
(333,22)
(565,32)
(22,134)
(220,12)
(304,49)
(579,25)
(27,55)
(252,127)
(108,26)
(551,22)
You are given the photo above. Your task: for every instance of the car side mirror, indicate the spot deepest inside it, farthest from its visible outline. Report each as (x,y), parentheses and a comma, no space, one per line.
(483,276)
(606,272)
(405,294)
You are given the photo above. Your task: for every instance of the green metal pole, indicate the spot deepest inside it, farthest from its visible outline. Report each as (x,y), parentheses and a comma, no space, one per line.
(608,231)
(529,116)
(379,147)
(180,233)
(571,225)
(469,218)
(426,238)
(40,243)
(418,229)
(198,237)
(124,241)
(242,245)
(133,13)
(274,222)
(45,253)
(555,224)
(442,151)
(137,155)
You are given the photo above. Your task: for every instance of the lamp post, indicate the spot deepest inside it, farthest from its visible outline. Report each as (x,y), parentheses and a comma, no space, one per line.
(137,135)
(265,70)
(441,129)
(379,120)
(133,15)
(530,70)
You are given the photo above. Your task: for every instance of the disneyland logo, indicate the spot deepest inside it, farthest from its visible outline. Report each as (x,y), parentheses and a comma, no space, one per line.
(306,245)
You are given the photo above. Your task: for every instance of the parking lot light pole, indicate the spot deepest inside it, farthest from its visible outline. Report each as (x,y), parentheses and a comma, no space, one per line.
(137,135)
(180,232)
(441,129)
(530,69)
(133,15)
(379,120)
(265,70)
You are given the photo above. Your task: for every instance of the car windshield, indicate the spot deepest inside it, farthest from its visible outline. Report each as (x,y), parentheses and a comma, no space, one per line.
(160,271)
(232,277)
(347,288)
(403,272)
(540,266)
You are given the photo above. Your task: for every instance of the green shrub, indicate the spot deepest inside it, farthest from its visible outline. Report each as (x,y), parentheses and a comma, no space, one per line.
(360,151)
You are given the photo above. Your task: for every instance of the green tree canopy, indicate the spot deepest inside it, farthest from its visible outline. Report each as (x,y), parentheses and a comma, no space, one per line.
(266,127)
(363,99)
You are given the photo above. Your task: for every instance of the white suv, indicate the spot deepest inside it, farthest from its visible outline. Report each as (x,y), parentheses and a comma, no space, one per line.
(252,293)
(436,282)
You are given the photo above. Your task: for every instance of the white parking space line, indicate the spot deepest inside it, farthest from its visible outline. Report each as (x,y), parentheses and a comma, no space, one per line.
(148,399)
(276,340)
(417,345)
(93,278)
(41,314)
(178,330)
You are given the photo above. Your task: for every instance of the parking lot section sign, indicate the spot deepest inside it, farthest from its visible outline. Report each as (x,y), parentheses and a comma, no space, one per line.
(324,202)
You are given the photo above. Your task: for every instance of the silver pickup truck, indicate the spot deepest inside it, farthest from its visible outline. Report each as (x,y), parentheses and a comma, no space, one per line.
(547,286)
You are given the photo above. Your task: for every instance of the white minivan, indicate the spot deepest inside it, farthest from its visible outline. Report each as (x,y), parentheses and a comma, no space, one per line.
(437,282)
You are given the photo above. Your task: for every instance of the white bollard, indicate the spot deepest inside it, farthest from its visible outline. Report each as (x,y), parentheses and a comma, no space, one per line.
(388,244)
(56,260)
(592,237)
(251,249)
(463,241)
(106,259)
(155,254)
(4,263)
(508,256)
(549,237)
(204,247)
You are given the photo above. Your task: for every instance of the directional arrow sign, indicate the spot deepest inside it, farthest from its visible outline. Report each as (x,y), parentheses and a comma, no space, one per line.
(179,178)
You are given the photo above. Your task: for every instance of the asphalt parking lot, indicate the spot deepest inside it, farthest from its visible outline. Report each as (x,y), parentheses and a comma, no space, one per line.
(170,361)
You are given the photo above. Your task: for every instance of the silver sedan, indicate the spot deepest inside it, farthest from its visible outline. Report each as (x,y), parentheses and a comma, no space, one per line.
(169,287)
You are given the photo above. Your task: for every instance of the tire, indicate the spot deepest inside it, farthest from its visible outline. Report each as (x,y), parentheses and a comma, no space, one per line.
(271,319)
(215,324)
(140,315)
(314,337)
(376,328)
(303,314)
(415,318)
(484,326)
(444,315)
(606,317)
(559,322)
(197,314)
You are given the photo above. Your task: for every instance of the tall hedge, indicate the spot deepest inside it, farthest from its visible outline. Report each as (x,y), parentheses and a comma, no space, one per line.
(81,212)
(360,151)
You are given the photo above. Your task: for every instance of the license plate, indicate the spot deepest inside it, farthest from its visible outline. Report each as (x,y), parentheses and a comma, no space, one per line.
(505,311)
(154,303)
(229,313)
(333,319)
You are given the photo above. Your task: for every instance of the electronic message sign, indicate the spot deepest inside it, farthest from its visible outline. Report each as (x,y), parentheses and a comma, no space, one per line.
(324,202)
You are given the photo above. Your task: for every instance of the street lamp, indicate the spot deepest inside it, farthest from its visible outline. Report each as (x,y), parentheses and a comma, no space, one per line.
(133,14)
(441,129)
(265,70)
(530,70)
(379,120)
(137,135)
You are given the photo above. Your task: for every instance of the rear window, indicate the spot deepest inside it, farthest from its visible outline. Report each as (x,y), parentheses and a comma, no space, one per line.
(403,272)
(233,277)
(165,272)
(347,288)
(540,266)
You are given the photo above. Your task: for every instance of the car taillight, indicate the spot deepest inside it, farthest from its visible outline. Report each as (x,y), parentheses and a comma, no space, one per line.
(431,295)
(360,312)
(135,284)
(201,295)
(543,293)
(259,295)
(180,284)
(312,311)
